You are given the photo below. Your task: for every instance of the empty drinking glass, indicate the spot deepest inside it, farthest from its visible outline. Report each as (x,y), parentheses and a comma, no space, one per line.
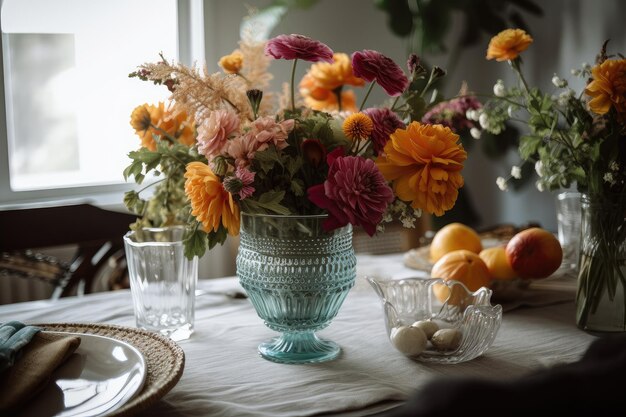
(162,281)
(568,217)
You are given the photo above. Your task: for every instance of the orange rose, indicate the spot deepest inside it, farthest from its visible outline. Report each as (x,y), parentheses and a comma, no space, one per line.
(608,87)
(424,162)
(508,44)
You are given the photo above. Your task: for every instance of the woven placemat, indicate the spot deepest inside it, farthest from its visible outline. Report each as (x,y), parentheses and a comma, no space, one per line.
(165,360)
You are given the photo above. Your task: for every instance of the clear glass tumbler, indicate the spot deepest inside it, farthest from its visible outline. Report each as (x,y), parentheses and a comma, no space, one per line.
(162,281)
(568,216)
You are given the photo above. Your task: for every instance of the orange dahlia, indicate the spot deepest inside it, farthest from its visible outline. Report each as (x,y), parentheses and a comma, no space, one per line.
(149,120)
(330,76)
(424,162)
(232,64)
(508,44)
(608,87)
(211,204)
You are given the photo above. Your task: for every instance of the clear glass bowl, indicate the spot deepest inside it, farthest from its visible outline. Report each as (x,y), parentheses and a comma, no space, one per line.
(409,300)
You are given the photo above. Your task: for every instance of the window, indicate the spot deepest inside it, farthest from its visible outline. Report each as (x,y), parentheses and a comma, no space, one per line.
(66,92)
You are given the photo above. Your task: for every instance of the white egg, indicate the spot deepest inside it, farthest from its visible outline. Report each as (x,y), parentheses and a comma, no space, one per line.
(427,326)
(409,340)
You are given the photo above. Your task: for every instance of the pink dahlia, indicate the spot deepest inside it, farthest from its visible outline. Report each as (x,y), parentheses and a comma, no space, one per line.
(298,47)
(214,131)
(266,130)
(355,192)
(385,123)
(371,65)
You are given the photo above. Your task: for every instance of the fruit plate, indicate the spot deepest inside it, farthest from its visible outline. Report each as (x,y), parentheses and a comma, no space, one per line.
(470,315)
(419,258)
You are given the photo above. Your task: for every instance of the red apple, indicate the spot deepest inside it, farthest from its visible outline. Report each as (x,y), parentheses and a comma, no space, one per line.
(534,253)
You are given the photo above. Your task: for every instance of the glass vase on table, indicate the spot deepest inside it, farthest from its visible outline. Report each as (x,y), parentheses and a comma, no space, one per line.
(297,276)
(600,299)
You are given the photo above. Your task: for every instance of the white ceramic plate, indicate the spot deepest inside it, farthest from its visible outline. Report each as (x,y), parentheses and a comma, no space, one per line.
(100,377)
(419,258)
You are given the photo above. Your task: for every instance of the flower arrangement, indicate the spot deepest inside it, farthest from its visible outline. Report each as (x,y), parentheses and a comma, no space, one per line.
(574,139)
(223,144)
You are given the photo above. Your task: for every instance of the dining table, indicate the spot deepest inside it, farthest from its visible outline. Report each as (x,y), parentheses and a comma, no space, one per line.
(224,375)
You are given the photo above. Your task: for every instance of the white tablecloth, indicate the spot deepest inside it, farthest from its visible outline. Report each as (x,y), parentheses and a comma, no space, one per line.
(224,376)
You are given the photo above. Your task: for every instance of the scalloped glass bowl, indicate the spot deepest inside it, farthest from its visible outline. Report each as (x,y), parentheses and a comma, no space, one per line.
(409,300)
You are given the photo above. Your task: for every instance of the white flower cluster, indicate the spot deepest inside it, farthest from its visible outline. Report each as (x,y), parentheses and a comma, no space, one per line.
(403,212)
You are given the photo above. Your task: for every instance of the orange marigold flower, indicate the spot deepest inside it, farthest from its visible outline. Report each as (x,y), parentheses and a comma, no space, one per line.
(211,204)
(608,87)
(149,120)
(358,126)
(508,44)
(330,76)
(232,64)
(424,162)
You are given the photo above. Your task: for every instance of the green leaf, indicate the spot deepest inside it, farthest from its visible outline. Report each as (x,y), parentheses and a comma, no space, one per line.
(268,158)
(218,237)
(297,187)
(529,146)
(133,169)
(267,202)
(195,243)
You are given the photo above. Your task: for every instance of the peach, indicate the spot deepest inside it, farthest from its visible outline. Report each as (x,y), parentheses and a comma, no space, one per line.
(534,253)
(454,236)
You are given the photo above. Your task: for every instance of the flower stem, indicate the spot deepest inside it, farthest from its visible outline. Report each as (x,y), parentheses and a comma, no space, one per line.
(369,90)
(293,77)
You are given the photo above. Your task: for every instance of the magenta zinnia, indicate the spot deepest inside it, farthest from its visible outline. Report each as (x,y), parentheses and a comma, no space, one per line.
(374,66)
(355,192)
(385,123)
(298,47)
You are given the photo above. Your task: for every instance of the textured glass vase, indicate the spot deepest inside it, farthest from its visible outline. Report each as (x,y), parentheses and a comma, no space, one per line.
(600,301)
(297,277)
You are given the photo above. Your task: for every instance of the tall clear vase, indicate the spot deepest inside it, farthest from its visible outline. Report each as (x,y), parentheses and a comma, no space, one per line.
(600,301)
(297,277)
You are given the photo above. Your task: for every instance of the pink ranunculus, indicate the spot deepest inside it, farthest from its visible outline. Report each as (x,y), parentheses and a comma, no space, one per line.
(265,130)
(355,192)
(214,131)
(371,65)
(298,47)
(385,123)
(262,132)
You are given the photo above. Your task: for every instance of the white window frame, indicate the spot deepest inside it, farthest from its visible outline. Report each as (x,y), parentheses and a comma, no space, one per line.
(191,49)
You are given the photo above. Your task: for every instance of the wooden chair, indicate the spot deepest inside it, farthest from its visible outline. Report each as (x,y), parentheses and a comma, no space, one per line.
(96,234)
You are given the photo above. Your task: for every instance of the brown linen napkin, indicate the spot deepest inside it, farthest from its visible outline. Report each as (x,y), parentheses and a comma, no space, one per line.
(31,372)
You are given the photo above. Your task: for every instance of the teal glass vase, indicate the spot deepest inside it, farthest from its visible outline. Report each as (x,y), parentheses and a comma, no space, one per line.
(297,276)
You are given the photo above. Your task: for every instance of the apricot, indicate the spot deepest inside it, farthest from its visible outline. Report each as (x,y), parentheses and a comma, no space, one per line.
(497,263)
(534,253)
(454,236)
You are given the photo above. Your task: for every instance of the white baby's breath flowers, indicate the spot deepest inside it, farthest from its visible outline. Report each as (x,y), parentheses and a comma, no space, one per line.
(498,89)
(559,82)
(475,132)
(586,66)
(614,166)
(483,119)
(565,96)
(539,168)
(472,114)
(608,177)
(540,186)
(516,172)
(502,185)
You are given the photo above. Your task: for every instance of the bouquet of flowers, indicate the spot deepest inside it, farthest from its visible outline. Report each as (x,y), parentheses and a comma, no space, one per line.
(224,145)
(574,139)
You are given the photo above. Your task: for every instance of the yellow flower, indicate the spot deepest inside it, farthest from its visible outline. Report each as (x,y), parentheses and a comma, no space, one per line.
(508,44)
(140,118)
(232,64)
(330,76)
(424,162)
(358,126)
(211,204)
(149,120)
(318,98)
(608,87)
